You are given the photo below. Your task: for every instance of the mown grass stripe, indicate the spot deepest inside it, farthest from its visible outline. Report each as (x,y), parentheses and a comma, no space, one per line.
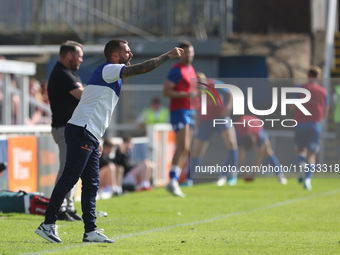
(124,236)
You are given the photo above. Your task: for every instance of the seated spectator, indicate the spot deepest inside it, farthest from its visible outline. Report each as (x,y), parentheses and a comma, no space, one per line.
(36,114)
(136,177)
(44,93)
(110,175)
(16,101)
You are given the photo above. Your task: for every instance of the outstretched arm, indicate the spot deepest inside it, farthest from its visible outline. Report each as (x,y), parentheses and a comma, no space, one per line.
(150,64)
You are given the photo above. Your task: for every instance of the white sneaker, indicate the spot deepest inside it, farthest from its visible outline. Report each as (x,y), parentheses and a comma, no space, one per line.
(282,179)
(221,181)
(49,232)
(174,189)
(96,237)
(307,184)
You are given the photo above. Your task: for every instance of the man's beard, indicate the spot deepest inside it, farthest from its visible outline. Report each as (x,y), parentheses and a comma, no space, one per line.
(122,61)
(74,65)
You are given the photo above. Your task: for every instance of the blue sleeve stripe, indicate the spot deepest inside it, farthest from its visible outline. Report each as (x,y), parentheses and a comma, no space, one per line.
(120,73)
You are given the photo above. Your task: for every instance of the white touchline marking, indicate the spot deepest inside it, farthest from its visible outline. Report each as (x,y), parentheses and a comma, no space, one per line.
(291,201)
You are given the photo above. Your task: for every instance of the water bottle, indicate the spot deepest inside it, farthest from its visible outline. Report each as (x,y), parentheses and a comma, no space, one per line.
(101,214)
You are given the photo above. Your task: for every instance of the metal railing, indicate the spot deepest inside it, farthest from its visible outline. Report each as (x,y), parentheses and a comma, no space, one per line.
(144,18)
(22,70)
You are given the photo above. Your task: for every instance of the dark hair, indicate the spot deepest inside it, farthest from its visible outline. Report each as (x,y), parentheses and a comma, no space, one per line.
(108,142)
(185,44)
(126,138)
(155,100)
(69,46)
(314,72)
(248,141)
(112,46)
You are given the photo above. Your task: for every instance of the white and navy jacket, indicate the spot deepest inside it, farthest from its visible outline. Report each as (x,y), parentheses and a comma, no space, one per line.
(99,99)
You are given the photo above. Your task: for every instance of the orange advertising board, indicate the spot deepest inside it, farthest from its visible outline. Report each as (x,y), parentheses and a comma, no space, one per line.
(22,163)
(164,155)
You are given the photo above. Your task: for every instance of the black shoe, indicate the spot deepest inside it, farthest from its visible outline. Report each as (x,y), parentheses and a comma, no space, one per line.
(65,216)
(75,215)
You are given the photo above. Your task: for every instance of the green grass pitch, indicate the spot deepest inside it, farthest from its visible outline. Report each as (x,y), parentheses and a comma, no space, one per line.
(262,217)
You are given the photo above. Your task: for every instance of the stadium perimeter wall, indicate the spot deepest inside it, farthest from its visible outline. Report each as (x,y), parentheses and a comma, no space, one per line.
(32,158)
(32,155)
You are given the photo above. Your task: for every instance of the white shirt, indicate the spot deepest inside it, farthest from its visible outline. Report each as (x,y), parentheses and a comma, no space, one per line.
(99,99)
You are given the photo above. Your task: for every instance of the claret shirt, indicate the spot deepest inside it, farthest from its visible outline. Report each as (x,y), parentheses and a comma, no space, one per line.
(181,75)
